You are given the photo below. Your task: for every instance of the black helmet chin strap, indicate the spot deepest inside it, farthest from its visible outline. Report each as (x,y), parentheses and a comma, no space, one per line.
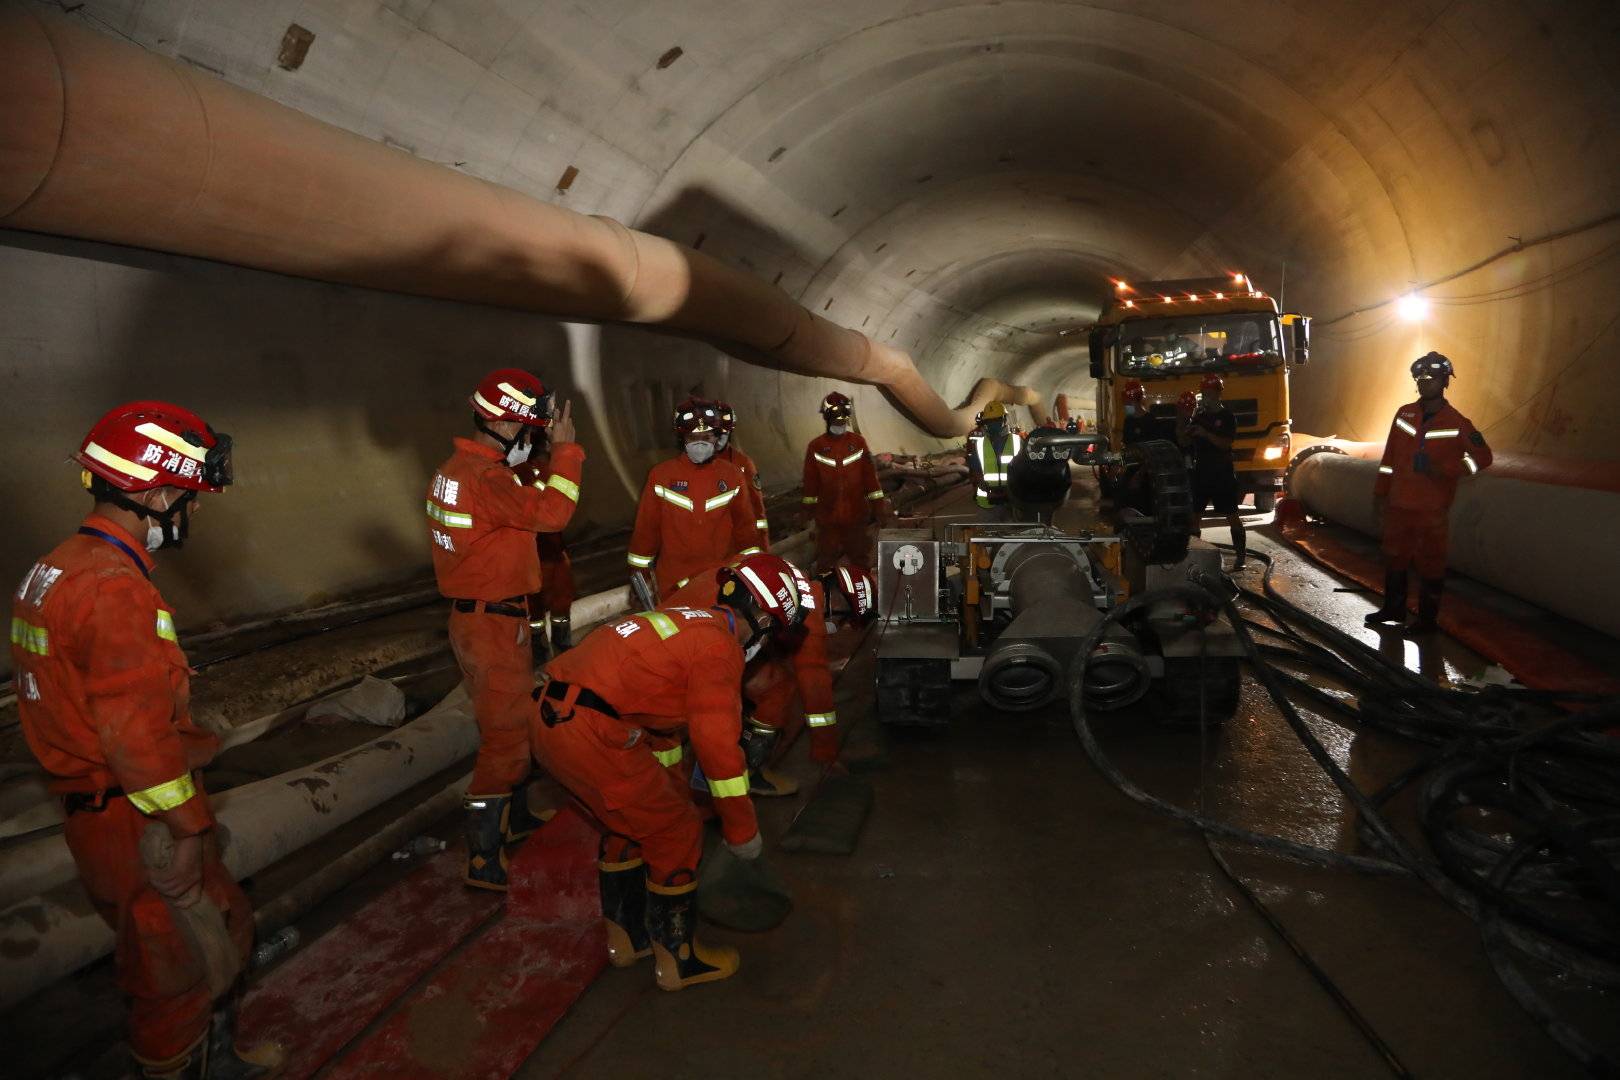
(506,444)
(175,519)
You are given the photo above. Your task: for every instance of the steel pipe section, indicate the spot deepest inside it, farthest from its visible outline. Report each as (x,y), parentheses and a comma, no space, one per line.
(57,932)
(1549,544)
(149,152)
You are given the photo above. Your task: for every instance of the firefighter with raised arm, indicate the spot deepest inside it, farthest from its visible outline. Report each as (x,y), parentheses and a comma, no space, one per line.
(841,488)
(730,451)
(694,511)
(103,696)
(482,517)
(610,724)
(991,449)
(1431,446)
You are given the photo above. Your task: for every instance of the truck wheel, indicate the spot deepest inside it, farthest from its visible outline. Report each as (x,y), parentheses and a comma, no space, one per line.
(914,693)
(1177,692)
(1265,501)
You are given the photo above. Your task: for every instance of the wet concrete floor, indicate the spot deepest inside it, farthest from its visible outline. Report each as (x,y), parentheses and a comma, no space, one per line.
(1009,913)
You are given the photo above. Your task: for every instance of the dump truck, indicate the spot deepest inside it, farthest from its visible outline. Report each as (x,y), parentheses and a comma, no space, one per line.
(1170,334)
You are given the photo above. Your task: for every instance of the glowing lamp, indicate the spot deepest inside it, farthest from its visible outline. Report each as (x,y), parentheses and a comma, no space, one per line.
(1412,307)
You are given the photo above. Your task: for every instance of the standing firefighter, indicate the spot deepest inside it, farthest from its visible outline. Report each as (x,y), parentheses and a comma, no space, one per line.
(549,609)
(482,521)
(795,664)
(841,488)
(730,452)
(693,512)
(1430,447)
(990,453)
(103,693)
(1210,432)
(609,728)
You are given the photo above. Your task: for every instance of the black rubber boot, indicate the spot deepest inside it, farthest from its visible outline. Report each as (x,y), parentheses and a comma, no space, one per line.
(680,959)
(1429,593)
(227,1061)
(1394,609)
(624,910)
(562,635)
(521,822)
(486,840)
(770,784)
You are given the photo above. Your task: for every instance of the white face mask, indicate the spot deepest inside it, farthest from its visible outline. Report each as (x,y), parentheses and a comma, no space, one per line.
(723,442)
(519,453)
(154,531)
(837,429)
(699,452)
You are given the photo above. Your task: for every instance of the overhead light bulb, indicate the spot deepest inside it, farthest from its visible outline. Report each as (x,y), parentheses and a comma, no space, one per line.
(1412,307)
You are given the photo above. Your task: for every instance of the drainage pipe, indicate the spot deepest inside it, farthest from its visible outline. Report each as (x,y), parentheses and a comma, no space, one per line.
(149,152)
(1550,544)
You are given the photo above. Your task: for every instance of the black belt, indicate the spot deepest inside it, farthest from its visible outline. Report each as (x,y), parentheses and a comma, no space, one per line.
(92,801)
(557,690)
(515,606)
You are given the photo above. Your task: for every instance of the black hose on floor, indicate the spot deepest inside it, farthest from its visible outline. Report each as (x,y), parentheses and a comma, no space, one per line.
(1554,895)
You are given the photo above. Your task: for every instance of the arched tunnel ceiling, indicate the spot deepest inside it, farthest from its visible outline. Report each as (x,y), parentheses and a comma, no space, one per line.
(962,179)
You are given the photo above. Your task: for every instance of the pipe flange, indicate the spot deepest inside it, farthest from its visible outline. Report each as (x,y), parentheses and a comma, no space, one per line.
(1020,677)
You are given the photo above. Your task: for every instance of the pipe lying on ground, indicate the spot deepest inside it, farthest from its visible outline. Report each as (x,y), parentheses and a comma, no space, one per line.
(149,152)
(1548,544)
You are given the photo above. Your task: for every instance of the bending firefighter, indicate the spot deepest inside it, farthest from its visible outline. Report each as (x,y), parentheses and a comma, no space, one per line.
(841,489)
(693,512)
(610,726)
(991,449)
(1431,447)
(482,521)
(103,693)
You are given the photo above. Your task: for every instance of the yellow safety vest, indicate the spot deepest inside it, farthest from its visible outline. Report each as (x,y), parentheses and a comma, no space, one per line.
(993,466)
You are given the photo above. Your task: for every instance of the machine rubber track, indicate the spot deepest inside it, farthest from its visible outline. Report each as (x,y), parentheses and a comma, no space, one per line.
(1163,538)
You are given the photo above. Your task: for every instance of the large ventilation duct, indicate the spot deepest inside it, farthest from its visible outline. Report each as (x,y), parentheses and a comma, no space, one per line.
(1551,544)
(148,152)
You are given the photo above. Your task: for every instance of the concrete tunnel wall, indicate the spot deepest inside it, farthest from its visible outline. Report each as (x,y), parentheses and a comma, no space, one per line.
(959,180)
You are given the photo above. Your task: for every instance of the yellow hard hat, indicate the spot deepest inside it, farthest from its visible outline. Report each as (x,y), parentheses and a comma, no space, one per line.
(994,411)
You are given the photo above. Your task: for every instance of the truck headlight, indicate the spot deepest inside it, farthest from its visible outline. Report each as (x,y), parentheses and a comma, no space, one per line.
(1271,453)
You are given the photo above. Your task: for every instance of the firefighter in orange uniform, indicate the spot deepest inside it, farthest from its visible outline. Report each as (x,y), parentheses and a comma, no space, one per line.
(611,718)
(694,512)
(103,694)
(1431,446)
(482,521)
(756,492)
(794,663)
(841,488)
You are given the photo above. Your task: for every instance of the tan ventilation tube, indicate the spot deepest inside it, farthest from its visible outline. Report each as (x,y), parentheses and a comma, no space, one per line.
(148,152)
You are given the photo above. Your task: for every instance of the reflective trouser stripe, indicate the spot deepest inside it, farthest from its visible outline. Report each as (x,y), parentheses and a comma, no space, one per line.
(761,524)
(821,719)
(667,758)
(161,797)
(874,495)
(566,486)
(640,562)
(726,789)
(809,500)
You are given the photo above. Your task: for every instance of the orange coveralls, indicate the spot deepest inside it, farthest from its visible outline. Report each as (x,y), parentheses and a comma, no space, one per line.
(481,520)
(691,517)
(756,491)
(556,595)
(777,672)
(841,487)
(666,673)
(104,697)
(1424,458)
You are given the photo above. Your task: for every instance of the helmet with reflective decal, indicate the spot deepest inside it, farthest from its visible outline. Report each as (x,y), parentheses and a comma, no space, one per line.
(1212,382)
(512,394)
(836,406)
(148,444)
(1433,365)
(855,585)
(697,416)
(768,585)
(1134,393)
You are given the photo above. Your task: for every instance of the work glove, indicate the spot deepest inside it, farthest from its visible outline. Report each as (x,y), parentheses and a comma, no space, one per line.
(749,849)
(180,880)
(824,745)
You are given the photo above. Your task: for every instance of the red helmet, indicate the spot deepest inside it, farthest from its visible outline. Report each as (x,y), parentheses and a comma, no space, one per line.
(512,394)
(728,418)
(695,416)
(836,406)
(1135,392)
(767,584)
(1187,403)
(855,585)
(1212,382)
(149,444)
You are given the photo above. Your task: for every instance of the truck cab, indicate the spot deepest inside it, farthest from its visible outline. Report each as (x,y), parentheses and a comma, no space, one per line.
(1170,334)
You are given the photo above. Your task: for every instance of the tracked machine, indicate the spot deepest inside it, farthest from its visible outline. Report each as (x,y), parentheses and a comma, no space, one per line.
(1008,605)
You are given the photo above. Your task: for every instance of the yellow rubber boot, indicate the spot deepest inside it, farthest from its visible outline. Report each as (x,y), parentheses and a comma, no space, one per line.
(679,958)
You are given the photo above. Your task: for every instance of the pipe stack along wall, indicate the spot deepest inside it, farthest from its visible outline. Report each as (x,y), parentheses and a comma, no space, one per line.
(1549,544)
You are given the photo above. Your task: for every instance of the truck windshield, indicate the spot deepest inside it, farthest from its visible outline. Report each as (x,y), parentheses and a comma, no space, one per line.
(1159,348)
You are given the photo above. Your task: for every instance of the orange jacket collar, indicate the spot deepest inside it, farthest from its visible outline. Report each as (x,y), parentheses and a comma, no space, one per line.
(96,521)
(477,449)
